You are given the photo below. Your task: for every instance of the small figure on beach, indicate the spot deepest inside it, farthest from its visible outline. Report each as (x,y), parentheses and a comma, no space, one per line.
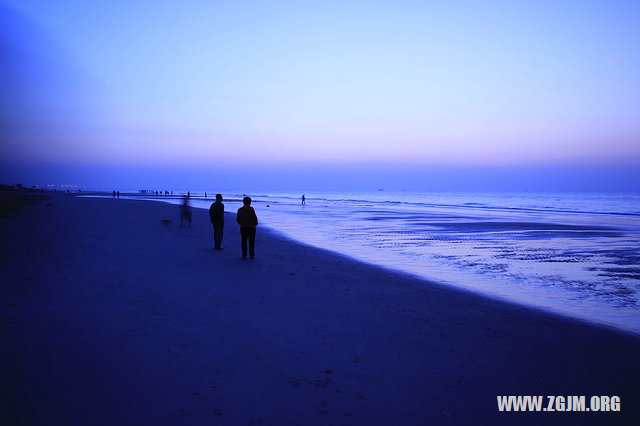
(248,221)
(188,194)
(304,200)
(118,193)
(114,194)
(216,214)
(185,211)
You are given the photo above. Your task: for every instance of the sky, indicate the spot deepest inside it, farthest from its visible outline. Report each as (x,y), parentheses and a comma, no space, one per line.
(421,95)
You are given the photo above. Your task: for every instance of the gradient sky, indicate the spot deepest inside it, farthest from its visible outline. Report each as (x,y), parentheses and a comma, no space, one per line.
(153,90)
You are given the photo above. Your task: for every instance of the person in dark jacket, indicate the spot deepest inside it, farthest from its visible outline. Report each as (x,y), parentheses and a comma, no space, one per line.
(248,221)
(216,214)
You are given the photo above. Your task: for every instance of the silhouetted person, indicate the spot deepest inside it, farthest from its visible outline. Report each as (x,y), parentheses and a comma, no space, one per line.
(303,199)
(188,194)
(118,194)
(114,194)
(185,212)
(216,214)
(248,221)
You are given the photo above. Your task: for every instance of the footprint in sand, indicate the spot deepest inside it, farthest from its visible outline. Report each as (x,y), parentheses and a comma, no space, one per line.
(295,382)
(322,383)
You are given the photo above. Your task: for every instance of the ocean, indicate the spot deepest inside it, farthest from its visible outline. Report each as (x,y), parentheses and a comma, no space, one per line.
(573,254)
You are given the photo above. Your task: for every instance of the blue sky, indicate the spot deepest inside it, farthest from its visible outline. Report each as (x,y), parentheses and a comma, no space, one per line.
(173,87)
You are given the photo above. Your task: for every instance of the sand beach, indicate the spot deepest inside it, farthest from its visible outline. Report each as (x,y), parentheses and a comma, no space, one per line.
(110,317)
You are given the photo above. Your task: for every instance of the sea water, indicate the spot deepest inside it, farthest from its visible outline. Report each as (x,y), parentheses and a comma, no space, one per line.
(574,254)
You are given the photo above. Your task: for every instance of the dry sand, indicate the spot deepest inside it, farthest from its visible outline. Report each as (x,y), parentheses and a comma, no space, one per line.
(107,317)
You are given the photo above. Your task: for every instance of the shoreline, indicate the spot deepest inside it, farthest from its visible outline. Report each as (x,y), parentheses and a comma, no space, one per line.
(610,325)
(107,309)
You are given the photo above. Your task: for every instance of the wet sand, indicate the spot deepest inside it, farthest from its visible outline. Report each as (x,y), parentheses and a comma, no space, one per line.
(108,317)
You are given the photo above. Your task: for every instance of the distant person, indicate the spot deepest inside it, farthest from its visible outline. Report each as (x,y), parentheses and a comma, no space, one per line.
(304,200)
(114,194)
(118,194)
(248,221)
(188,194)
(185,212)
(216,214)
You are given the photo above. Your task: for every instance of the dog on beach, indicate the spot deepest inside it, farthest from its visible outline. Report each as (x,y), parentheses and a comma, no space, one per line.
(166,222)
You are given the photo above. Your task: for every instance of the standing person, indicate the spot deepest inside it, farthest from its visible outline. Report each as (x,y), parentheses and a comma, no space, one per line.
(114,194)
(216,214)
(185,211)
(118,194)
(303,199)
(248,221)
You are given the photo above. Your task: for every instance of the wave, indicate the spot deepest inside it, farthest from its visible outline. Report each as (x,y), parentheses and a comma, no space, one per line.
(476,206)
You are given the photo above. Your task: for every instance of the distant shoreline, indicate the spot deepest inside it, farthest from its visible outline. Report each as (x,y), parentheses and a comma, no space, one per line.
(601,315)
